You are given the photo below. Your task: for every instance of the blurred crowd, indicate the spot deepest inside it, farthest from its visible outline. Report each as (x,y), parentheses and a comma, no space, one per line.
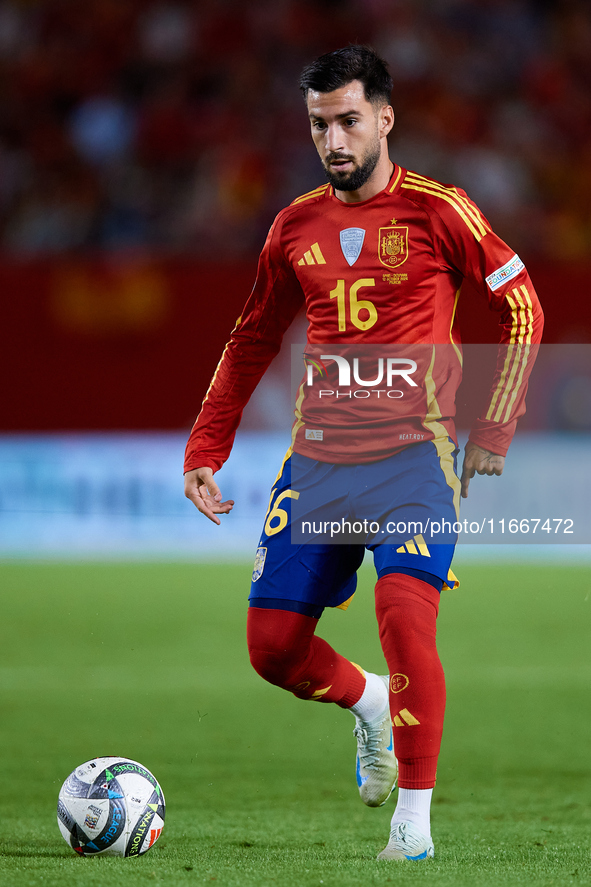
(178,126)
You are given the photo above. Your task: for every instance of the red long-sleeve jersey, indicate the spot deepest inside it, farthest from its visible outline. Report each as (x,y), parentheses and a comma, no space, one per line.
(375,276)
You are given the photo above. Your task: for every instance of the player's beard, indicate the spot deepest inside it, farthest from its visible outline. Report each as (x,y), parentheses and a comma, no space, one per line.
(354,180)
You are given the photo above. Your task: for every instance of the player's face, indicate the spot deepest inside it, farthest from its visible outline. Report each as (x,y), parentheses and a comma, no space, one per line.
(347,131)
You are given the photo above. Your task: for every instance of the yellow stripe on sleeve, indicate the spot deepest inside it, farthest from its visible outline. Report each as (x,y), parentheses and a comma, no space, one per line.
(523,317)
(518,383)
(530,314)
(501,385)
(317,192)
(516,315)
(445,196)
(517,355)
(469,207)
(509,385)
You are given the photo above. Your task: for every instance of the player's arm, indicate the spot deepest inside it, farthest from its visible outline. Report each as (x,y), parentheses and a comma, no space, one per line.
(255,341)
(521,322)
(480,255)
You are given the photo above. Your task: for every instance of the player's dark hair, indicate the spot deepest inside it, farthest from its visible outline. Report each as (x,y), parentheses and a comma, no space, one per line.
(336,69)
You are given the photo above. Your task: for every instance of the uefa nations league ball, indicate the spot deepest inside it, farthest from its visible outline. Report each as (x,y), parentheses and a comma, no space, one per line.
(110,807)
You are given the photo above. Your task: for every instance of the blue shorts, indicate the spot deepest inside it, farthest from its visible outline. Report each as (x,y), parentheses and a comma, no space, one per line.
(322,517)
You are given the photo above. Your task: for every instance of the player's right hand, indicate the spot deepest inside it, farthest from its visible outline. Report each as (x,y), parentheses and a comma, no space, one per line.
(205,494)
(477,459)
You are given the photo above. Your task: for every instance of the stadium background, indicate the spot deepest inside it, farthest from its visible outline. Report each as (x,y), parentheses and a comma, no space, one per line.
(145,148)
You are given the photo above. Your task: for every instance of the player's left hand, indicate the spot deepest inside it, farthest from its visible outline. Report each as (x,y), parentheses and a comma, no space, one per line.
(477,459)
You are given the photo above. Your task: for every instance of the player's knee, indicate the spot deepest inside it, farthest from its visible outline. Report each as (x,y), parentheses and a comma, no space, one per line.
(278,650)
(262,662)
(279,667)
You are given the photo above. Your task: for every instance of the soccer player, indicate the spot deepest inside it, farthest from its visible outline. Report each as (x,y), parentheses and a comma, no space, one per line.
(377,256)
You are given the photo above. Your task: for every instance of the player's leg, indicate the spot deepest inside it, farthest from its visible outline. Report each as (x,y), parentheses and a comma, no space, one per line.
(411,576)
(285,651)
(406,609)
(291,586)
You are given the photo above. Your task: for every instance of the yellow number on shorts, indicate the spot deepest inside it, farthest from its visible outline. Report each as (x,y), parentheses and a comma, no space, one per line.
(280,513)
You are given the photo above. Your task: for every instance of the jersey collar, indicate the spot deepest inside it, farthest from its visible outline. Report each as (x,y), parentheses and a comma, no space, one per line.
(392,186)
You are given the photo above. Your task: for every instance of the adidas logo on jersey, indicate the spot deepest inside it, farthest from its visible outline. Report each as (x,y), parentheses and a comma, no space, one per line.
(405,719)
(414,546)
(313,256)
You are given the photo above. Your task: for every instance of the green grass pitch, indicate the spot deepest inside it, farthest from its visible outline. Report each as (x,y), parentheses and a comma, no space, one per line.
(149,661)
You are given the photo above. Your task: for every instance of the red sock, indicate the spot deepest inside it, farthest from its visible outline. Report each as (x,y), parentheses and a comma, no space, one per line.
(285,651)
(407,609)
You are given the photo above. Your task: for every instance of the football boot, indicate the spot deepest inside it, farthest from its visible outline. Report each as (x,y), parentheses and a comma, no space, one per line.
(407,842)
(376,766)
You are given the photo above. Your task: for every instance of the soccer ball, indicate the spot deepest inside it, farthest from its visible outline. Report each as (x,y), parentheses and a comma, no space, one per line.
(110,807)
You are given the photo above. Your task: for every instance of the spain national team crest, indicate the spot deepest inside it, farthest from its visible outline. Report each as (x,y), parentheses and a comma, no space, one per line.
(393,245)
(259,563)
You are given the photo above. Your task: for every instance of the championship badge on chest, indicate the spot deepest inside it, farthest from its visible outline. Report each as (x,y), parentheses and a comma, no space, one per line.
(393,245)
